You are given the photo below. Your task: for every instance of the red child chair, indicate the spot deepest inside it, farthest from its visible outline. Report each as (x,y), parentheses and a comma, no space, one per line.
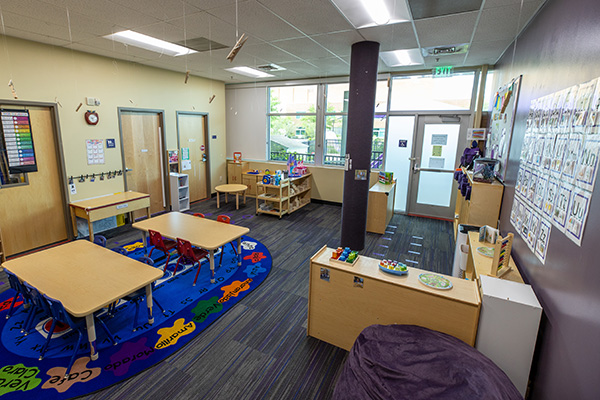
(199,215)
(189,253)
(225,219)
(163,244)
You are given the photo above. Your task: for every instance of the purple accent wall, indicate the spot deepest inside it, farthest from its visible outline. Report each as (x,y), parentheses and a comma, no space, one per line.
(359,140)
(560,48)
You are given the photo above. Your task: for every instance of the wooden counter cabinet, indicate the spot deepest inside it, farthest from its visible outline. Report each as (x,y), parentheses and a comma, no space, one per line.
(340,305)
(381,207)
(483,208)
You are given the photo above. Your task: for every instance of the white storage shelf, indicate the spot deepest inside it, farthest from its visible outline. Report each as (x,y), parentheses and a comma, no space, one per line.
(180,192)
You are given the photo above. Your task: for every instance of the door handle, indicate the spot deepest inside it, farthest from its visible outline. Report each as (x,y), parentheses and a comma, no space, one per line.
(128,170)
(203,157)
(413,158)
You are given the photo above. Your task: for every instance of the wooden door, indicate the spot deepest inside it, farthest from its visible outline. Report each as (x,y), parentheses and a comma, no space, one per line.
(33,215)
(141,145)
(192,135)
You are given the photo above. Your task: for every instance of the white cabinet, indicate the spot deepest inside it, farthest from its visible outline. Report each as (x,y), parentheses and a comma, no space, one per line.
(508,327)
(180,192)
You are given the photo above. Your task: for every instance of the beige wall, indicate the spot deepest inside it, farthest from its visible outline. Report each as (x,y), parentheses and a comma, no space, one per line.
(327,182)
(53,74)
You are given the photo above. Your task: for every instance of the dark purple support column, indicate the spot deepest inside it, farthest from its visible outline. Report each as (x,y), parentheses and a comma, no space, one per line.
(361,112)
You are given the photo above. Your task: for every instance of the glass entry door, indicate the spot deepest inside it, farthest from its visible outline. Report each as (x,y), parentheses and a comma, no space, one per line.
(439,142)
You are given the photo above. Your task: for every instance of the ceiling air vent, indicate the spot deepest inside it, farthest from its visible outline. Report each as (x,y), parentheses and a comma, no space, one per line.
(270,68)
(201,44)
(445,50)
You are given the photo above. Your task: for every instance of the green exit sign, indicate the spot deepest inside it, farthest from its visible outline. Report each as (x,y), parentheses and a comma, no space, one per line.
(442,72)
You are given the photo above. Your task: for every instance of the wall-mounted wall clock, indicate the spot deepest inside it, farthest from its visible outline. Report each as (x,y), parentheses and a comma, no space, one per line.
(91,117)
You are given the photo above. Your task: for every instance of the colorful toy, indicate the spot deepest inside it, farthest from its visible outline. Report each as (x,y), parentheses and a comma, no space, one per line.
(266,179)
(237,156)
(344,255)
(386,178)
(393,267)
(502,249)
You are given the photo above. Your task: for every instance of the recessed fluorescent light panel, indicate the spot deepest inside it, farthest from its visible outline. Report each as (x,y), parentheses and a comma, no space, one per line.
(247,71)
(366,13)
(149,43)
(402,58)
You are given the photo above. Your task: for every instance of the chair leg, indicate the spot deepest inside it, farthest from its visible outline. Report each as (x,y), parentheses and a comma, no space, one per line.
(28,321)
(74,353)
(196,278)
(108,333)
(50,332)
(176,265)
(233,247)
(154,300)
(12,304)
(221,259)
(137,311)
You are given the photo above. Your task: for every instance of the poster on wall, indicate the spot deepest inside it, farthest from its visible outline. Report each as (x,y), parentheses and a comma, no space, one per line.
(558,166)
(501,124)
(95,151)
(17,142)
(186,163)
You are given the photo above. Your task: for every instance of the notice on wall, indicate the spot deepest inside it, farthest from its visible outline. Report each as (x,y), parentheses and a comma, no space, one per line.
(18,141)
(95,151)
(558,166)
(186,163)
(439,140)
(436,151)
(437,162)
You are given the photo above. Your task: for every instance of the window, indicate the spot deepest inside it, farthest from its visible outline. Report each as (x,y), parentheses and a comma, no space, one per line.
(292,122)
(424,92)
(336,124)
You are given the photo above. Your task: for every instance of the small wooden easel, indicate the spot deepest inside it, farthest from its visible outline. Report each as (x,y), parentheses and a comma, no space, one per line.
(502,250)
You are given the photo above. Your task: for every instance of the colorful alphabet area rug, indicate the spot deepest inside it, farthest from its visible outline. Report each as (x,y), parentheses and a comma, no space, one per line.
(189,310)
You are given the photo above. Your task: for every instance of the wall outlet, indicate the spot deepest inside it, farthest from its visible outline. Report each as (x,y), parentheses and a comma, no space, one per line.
(221,178)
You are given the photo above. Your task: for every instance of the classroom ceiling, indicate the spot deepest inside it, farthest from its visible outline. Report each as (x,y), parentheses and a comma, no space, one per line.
(309,38)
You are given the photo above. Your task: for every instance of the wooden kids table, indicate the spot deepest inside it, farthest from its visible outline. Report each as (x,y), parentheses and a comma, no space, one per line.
(108,206)
(85,277)
(233,189)
(205,233)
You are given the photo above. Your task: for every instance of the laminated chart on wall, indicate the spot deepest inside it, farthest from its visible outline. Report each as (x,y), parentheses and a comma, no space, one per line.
(501,124)
(18,141)
(558,166)
(95,151)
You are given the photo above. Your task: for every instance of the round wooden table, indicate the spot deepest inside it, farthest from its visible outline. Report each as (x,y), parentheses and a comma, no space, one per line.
(232,188)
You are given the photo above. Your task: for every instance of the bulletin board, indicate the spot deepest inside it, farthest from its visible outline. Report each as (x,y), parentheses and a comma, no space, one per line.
(558,166)
(501,124)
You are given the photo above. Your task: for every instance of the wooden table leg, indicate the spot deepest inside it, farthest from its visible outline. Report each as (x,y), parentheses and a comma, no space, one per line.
(226,199)
(211,261)
(145,242)
(149,303)
(74,222)
(239,243)
(91,331)
(218,195)
(90,228)
(244,197)
(237,200)
(148,212)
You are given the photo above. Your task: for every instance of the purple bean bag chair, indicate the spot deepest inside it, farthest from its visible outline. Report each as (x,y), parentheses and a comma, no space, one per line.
(411,362)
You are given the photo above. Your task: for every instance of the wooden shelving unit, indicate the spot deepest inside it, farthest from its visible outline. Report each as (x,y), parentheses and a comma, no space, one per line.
(300,188)
(180,192)
(484,206)
(273,199)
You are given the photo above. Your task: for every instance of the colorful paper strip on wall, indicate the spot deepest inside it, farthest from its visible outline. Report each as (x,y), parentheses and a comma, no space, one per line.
(18,141)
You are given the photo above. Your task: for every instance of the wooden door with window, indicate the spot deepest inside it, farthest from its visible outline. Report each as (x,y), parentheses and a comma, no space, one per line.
(33,212)
(142,144)
(192,135)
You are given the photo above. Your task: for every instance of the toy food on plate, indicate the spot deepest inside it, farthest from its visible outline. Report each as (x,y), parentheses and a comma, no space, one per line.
(393,267)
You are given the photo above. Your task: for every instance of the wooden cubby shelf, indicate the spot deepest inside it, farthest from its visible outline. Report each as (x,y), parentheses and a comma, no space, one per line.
(291,195)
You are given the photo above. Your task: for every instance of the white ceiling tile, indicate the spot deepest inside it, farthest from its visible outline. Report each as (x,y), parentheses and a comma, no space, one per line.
(392,37)
(339,43)
(106,10)
(303,48)
(269,52)
(446,30)
(44,28)
(255,20)
(500,3)
(497,24)
(487,52)
(34,37)
(205,25)
(160,9)
(311,17)
(456,60)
